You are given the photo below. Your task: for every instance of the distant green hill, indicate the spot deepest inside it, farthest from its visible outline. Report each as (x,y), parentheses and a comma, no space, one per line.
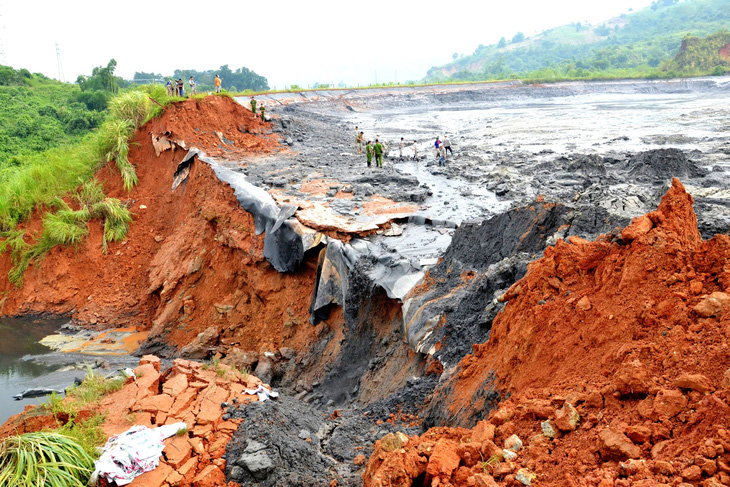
(38,113)
(637,44)
(708,55)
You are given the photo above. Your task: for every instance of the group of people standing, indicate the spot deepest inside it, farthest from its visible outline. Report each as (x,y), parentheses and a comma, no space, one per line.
(441,148)
(262,109)
(177,88)
(377,149)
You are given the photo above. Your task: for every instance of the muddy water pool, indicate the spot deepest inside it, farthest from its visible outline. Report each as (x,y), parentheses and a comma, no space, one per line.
(27,364)
(18,345)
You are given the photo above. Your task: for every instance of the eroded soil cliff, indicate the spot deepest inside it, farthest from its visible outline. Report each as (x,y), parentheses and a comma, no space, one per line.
(612,360)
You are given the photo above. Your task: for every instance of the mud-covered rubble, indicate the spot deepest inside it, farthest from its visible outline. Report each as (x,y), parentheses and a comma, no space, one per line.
(611,362)
(288,442)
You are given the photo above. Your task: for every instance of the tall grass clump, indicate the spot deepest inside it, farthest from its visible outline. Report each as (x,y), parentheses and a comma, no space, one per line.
(44,460)
(43,178)
(116,219)
(132,106)
(68,227)
(112,143)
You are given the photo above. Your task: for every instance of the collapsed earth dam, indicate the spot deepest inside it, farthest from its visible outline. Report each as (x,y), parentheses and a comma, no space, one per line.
(365,293)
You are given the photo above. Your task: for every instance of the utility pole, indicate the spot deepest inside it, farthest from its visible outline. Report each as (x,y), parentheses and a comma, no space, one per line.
(60,67)
(3,59)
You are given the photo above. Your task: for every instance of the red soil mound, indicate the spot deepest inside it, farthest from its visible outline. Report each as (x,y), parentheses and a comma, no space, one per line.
(191,261)
(614,356)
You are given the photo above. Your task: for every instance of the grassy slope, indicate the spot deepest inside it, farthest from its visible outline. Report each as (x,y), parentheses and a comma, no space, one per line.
(38,114)
(639,42)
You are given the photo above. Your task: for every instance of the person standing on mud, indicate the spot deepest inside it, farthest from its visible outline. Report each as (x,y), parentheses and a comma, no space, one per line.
(447,145)
(402,146)
(378,149)
(358,139)
(263,113)
(253,105)
(369,152)
(437,144)
(217,83)
(415,150)
(193,91)
(382,144)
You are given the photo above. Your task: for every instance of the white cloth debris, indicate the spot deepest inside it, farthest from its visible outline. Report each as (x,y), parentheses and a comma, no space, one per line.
(133,453)
(130,373)
(263,393)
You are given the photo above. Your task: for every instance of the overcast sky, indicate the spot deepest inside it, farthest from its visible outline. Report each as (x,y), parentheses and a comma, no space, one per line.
(288,42)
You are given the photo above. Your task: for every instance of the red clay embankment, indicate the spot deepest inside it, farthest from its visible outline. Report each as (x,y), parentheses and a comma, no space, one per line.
(191,261)
(614,355)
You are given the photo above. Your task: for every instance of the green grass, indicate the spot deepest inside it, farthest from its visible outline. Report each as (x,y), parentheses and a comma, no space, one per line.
(87,433)
(41,181)
(93,388)
(44,460)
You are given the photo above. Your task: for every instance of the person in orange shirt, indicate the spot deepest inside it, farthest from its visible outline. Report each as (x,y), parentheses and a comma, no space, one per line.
(217,82)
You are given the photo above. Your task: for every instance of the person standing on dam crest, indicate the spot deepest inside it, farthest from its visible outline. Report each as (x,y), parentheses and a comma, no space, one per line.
(193,91)
(369,152)
(378,149)
(217,83)
(253,105)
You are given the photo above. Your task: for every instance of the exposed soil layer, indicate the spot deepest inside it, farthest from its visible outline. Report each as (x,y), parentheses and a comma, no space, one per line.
(613,361)
(191,261)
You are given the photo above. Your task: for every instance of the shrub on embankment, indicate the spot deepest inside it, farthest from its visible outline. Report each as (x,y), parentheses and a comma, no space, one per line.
(45,179)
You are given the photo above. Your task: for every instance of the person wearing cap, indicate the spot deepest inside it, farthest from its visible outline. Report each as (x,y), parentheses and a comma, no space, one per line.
(369,152)
(263,113)
(253,105)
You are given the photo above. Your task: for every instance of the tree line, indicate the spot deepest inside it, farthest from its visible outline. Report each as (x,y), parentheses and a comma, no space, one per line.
(241,79)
